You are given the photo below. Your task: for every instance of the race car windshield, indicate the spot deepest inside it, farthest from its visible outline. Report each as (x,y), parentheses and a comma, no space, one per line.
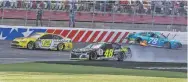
(94,46)
(34,36)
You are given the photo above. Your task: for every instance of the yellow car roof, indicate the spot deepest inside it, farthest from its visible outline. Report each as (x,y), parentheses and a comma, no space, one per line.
(42,33)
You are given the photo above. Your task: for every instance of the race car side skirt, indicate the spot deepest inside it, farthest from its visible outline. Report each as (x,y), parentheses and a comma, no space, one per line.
(80,56)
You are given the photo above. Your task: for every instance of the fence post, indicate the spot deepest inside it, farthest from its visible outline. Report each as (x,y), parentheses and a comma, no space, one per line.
(105,5)
(2,14)
(26,17)
(113,15)
(49,19)
(172,22)
(153,15)
(93,13)
(72,14)
(134,11)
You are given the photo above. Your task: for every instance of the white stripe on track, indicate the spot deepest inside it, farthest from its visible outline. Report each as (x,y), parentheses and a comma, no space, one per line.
(97,37)
(90,36)
(106,35)
(113,36)
(83,36)
(68,34)
(75,35)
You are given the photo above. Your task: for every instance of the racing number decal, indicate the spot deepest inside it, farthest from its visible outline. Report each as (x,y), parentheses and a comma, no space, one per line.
(46,43)
(109,53)
(153,40)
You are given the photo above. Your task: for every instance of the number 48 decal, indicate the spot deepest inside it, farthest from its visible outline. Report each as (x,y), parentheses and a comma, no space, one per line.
(109,53)
(153,40)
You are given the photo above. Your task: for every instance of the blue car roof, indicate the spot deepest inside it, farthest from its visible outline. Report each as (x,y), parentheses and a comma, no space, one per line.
(153,32)
(157,33)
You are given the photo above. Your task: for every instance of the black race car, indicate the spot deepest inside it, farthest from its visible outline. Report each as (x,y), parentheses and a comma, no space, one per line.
(103,51)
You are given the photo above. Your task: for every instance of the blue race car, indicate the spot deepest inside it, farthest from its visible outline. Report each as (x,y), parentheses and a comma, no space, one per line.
(154,39)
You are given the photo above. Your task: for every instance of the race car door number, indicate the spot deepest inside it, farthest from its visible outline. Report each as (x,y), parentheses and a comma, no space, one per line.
(153,40)
(109,53)
(46,43)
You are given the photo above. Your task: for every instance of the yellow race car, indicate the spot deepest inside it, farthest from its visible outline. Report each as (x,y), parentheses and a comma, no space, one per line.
(43,41)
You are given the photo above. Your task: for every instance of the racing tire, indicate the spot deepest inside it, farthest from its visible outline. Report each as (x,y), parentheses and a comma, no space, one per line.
(128,54)
(180,45)
(138,40)
(130,41)
(167,45)
(60,47)
(92,55)
(120,56)
(31,45)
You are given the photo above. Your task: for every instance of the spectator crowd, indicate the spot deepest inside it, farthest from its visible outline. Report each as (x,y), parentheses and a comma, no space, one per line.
(162,7)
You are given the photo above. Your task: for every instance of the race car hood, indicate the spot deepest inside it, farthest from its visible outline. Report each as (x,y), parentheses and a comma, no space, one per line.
(83,50)
(23,39)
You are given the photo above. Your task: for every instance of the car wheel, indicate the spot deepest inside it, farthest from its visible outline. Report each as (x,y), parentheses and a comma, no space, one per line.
(92,55)
(129,53)
(167,45)
(120,56)
(138,40)
(179,45)
(31,45)
(60,47)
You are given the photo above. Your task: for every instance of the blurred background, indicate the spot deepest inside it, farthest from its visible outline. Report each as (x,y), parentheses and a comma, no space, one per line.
(163,15)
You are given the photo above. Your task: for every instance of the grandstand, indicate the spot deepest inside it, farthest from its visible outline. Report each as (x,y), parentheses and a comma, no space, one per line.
(119,13)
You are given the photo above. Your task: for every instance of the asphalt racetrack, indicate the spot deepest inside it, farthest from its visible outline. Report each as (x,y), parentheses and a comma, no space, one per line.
(145,54)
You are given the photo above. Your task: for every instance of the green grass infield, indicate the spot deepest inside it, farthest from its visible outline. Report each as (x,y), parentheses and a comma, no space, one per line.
(45,72)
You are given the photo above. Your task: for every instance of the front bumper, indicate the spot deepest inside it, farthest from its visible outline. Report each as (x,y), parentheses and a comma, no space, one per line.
(78,56)
(16,44)
(176,45)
